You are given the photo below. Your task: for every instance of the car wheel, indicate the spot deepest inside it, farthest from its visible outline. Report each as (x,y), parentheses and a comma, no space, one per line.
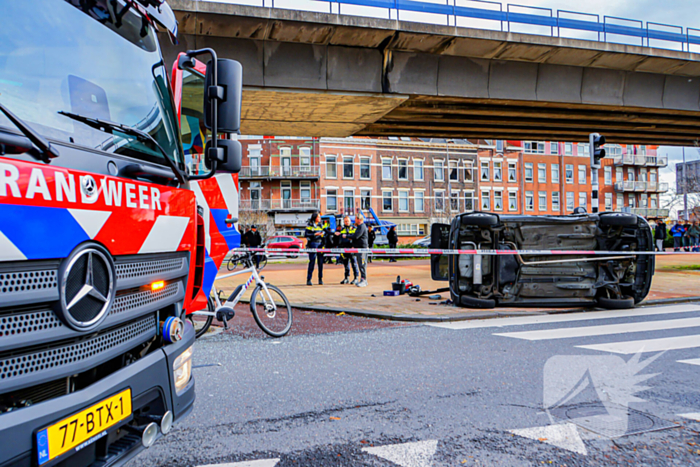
(473,302)
(615,303)
(617,219)
(481,219)
(293,255)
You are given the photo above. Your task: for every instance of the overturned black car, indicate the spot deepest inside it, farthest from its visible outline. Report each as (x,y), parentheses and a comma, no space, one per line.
(614,281)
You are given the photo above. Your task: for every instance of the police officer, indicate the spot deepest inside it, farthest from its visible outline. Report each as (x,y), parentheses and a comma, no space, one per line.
(314,233)
(372,237)
(360,240)
(347,258)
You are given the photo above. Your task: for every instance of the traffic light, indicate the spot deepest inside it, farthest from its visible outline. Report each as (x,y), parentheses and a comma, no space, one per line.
(596,142)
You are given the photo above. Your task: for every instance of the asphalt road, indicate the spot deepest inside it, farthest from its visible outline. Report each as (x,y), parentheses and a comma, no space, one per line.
(555,390)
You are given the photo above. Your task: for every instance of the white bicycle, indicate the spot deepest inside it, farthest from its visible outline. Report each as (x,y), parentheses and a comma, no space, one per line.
(270,307)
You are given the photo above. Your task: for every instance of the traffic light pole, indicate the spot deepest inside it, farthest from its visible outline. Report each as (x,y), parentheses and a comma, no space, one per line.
(595,148)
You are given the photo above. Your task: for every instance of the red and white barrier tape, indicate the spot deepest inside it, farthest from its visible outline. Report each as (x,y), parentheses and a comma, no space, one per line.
(429,252)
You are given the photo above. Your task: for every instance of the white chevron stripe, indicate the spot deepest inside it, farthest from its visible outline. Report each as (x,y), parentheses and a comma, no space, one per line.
(8,250)
(647,345)
(602,330)
(165,235)
(690,416)
(229,192)
(91,221)
(694,361)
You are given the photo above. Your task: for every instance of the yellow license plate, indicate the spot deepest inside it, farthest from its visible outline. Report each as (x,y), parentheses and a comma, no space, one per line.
(83,427)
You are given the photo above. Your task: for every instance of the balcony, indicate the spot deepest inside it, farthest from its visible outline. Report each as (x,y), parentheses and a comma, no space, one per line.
(638,159)
(624,186)
(640,186)
(279,205)
(286,172)
(626,159)
(647,212)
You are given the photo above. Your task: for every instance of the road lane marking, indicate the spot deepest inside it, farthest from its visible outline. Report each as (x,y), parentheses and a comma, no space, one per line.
(564,436)
(691,416)
(647,345)
(565,317)
(603,329)
(692,361)
(256,463)
(417,454)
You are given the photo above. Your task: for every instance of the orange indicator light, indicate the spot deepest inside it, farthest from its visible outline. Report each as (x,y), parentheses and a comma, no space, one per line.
(157,285)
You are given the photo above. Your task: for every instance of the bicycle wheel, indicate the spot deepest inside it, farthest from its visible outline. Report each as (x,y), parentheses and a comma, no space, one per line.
(263,262)
(233,262)
(275,322)
(201,323)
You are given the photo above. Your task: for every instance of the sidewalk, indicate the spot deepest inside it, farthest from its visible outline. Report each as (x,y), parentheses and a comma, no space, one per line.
(667,285)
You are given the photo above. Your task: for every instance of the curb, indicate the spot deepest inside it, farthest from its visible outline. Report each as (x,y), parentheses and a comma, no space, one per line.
(466,316)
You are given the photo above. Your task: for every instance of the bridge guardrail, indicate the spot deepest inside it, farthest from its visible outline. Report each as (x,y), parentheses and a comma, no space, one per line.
(454,9)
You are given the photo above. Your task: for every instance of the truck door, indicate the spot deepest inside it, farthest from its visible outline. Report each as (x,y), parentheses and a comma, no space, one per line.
(439,240)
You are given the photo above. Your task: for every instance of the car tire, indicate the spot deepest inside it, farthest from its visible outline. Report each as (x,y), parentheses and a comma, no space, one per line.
(618,219)
(480,219)
(293,255)
(473,302)
(616,303)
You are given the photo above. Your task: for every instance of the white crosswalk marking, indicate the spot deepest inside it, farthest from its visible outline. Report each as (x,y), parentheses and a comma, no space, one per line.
(602,330)
(693,361)
(256,463)
(565,317)
(647,345)
(691,416)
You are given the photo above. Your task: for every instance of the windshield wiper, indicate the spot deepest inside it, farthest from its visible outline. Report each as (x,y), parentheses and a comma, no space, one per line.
(48,152)
(111,127)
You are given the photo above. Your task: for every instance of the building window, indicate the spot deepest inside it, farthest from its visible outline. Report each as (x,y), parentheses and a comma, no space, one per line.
(403,201)
(305,159)
(439,171)
(468,171)
(613,150)
(568,149)
(570,201)
(581,174)
(497,171)
(485,171)
(387,201)
(630,174)
(533,147)
(365,171)
(331,167)
(643,150)
(608,201)
(386,169)
(512,201)
(654,203)
(652,176)
(403,169)
(607,175)
(439,201)
(554,148)
(419,201)
(555,173)
(348,167)
(349,201)
(485,200)
(631,201)
(583,199)
(542,201)
(499,146)
(469,201)
(454,171)
(529,201)
(305,191)
(620,202)
(512,172)
(454,201)
(417,170)
(528,172)
(582,149)
(555,201)
(645,200)
(542,173)
(365,199)
(331,200)
(498,200)
(630,149)
(570,173)
(619,176)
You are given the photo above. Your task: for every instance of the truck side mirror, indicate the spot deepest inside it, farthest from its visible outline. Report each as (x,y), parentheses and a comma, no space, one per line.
(229,155)
(228,92)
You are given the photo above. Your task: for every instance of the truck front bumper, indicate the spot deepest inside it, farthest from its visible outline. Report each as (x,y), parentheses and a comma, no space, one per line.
(151,381)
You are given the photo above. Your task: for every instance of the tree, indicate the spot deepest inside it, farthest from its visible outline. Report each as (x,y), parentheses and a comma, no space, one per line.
(259,219)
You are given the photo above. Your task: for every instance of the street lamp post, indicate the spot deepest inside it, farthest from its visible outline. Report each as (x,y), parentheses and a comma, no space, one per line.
(684,183)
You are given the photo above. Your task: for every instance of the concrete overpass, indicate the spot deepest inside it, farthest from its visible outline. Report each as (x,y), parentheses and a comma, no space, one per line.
(317,74)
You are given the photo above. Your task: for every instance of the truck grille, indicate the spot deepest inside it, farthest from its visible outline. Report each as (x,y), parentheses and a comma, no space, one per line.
(14,282)
(28,322)
(148,268)
(146,297)
(66,359)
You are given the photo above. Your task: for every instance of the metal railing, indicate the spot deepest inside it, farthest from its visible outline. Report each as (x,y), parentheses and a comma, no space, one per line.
(279,204)
(254,205)
(647,212)
(557,23)
(295,171)
(632,159)
(624,186)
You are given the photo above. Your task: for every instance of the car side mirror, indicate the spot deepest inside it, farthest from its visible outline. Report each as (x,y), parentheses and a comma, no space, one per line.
(229,155)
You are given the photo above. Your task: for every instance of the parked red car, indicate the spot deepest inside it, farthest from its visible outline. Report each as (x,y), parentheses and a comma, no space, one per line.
(283,242)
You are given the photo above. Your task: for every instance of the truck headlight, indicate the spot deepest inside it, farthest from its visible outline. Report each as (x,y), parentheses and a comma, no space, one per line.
(182,370)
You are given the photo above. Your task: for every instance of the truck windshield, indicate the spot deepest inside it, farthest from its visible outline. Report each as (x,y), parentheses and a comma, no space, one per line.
(97,59)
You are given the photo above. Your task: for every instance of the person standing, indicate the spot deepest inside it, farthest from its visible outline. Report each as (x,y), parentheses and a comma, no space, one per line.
(393,239)
(660,235)
(694,234)
(372,237)
(360,239)
(254,241)
(677,232)
(245,238)
(345,241)
(314,235)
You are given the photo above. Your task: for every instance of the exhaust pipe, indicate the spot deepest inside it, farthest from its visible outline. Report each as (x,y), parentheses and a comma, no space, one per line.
(150,432)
